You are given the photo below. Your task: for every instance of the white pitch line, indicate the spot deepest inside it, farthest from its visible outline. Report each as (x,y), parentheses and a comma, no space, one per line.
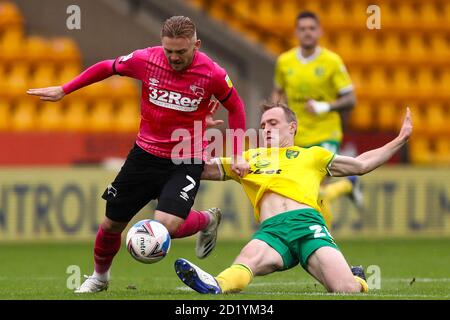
(303,282)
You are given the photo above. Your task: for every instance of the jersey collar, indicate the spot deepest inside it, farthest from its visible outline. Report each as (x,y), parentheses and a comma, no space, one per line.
(304,60)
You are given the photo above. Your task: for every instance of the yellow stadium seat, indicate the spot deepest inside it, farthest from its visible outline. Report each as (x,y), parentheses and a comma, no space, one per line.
(120,87)
(416,47)
(274,45)
(336,13)
(50,117)
(418,115)
(101,117)
(76,116)
(37,50)
(24,116)
(388,115)
(5,115)
(426,81)
(9,15)
(368,46)
(402,80)
(68,72)
(95,91)
(127,117)
(361,116)
(43,76)
(11,45)
(219,11)
(264,15)
(443,150)
(407,16)
(359,78)
(65,50)
(243,10)
(288,13)
(378,79)
(428,11)
(17,80)
(443,145)
(444,82)
(345,44)
(440,46)
(358,15)
(445,12)
(393,47)
(389,16)
(420,150)
(435,118)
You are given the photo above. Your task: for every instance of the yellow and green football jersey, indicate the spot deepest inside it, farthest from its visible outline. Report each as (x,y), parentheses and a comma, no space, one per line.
(293,172)
(322,77)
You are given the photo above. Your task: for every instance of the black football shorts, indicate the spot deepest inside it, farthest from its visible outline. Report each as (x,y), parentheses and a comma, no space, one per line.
(145,177)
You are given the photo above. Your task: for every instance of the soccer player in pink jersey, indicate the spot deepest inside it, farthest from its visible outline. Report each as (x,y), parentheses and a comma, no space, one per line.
(177,83)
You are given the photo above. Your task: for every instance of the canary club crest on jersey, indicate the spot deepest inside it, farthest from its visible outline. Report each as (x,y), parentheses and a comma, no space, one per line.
(262,163)
(319,71)
(292,154)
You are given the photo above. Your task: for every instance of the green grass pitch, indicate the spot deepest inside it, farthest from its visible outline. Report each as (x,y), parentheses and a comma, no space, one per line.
(410,269)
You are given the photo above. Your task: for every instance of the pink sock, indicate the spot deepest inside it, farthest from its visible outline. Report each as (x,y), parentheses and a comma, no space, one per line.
(107,244)
(195,221)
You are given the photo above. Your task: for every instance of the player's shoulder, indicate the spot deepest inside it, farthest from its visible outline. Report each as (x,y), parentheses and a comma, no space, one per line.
(318,150)
(141,53)
(288,56)
(203,59)
(330,56)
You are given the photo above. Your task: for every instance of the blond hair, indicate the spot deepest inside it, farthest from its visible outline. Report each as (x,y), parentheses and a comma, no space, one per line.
(178,27)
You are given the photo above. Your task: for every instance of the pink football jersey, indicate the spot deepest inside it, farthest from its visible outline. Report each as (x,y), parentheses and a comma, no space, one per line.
(173,100)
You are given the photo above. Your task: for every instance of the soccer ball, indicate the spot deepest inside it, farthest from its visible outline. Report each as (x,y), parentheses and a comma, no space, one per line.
(148,241)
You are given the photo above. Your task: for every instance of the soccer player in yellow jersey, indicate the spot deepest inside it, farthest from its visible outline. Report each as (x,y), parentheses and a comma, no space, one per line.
(283,185)
(315,84)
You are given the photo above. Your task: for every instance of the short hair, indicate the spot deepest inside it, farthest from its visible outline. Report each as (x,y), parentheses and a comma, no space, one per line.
(288,113)
(307,14)
(178,27)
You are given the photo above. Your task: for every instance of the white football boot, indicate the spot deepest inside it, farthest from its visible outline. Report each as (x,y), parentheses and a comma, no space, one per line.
(91,285)
(206,240)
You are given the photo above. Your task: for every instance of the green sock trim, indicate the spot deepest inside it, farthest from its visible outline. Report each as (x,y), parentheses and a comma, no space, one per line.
(244,267)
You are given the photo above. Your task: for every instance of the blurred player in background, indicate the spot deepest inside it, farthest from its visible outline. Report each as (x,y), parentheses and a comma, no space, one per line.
(315,84)
(283,185)
(177,83)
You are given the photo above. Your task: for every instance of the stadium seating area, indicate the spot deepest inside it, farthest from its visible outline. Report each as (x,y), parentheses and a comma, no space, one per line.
(33,62)
(405,63)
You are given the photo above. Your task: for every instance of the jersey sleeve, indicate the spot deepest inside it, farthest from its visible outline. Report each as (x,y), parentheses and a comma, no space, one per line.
(131,65)
(225,166)
(278,80)
(323,159)
(221,84)
(340,78)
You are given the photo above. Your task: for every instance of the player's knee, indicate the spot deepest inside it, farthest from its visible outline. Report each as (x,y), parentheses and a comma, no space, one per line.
(171,222)
(109,225)
(345,286)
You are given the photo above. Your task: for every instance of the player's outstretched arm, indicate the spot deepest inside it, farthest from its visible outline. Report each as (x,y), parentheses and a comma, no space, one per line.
(95,73)
(370,160)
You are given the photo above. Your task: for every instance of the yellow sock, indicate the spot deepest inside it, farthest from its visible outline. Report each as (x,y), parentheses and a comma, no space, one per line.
(235,278)
(364,285)
(325,210)
(336,189)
